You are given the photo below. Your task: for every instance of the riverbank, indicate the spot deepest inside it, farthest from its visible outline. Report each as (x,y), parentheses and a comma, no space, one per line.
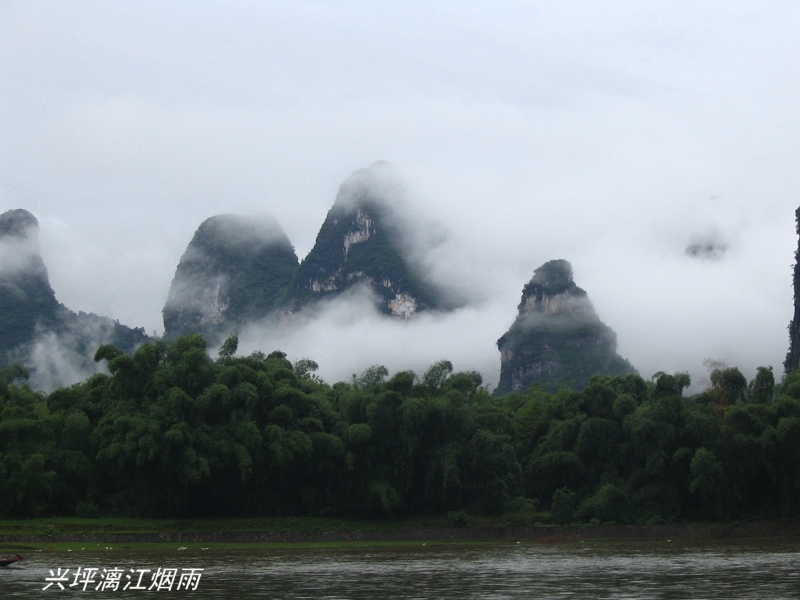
(192,532)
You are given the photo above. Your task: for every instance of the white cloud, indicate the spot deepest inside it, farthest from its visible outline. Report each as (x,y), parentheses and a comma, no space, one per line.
(345,336)
(608,134)
(60,359)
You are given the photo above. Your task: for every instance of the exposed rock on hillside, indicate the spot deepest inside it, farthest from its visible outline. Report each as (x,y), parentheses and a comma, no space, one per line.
(361,243)
(37,331)
(557,338)
(235,270)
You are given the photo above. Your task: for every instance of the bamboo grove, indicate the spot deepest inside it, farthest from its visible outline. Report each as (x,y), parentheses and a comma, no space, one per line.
(171,431)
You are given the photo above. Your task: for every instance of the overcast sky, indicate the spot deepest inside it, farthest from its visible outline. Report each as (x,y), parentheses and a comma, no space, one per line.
(610,134)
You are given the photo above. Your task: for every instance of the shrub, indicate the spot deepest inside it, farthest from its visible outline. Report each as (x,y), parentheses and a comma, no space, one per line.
(458,518)
(563,505)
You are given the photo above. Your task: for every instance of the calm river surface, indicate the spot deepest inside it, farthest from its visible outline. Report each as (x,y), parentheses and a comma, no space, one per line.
(761,569)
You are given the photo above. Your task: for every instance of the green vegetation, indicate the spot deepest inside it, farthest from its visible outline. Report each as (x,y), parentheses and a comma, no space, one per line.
(175,434)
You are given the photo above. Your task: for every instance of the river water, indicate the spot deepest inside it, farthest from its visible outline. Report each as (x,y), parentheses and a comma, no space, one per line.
(760,569)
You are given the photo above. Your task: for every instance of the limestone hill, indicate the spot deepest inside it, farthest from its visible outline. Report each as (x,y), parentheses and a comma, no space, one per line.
(361,243)
(235,270)
(557,338)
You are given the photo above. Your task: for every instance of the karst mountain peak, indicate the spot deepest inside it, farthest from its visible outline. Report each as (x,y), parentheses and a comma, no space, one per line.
(557,338)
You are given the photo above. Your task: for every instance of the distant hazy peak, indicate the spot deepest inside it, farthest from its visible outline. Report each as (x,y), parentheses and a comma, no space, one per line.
(18,223)
(19,247)
(377,184)
(242,231)
(553,274)
(364,242)
(235,270)
(557,339)
(56,344)
(552,291)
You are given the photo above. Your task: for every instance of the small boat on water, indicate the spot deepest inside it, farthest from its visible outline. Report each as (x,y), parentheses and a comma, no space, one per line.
(10,560)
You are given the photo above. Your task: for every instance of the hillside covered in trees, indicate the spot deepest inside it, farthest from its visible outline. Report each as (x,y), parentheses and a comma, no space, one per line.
(172,431)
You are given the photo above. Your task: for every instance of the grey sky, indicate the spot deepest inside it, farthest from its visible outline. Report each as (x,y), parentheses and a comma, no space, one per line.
(611,134)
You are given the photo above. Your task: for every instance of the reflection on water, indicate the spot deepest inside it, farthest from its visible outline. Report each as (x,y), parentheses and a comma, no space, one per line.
(719,570)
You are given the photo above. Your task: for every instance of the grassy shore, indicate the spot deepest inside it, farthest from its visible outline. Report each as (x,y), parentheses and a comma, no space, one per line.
(103,528)
(78,548)
(107,534)
(75,525)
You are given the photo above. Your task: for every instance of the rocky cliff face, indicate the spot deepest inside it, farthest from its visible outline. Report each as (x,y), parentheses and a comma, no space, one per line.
(792,361)
(235,270)
(56,344)
(557,339)
(360,244)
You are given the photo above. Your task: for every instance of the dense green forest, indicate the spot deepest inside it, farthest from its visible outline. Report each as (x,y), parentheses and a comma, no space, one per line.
(174,432)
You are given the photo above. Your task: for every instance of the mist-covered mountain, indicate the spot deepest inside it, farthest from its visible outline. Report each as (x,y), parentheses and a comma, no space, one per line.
(36,330)
(557,338)
(26,298)
(364,241)
(239,270)
(235,270)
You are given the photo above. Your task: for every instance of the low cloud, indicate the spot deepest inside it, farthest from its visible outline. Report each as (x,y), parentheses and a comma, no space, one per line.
(347,335)
(246,233)
(20,254)
(65,357)
(708,247)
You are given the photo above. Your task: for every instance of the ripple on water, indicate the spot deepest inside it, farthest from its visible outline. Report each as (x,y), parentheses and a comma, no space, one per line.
(597,570)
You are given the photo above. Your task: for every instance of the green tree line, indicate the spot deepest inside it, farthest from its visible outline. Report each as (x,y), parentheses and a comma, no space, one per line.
(171,431)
